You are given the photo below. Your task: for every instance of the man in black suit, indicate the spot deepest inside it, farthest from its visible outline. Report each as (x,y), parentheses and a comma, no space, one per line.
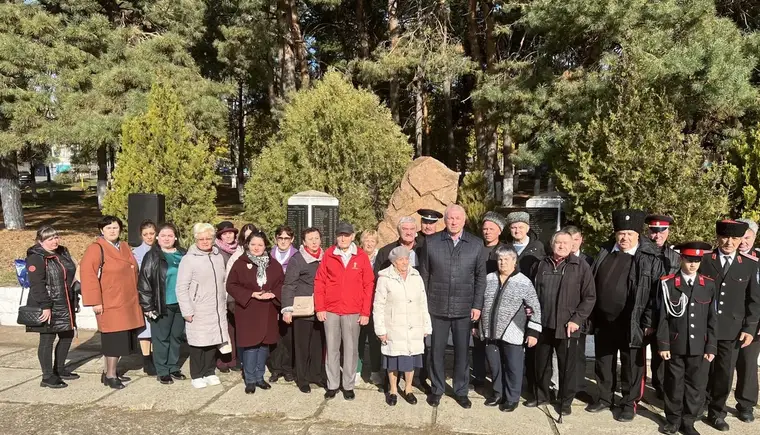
(738,303)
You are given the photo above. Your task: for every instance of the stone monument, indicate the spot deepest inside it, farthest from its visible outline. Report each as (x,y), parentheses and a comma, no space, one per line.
(427,183)
(313,209)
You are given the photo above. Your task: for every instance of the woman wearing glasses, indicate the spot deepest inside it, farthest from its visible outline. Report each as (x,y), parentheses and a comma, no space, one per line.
(281,358)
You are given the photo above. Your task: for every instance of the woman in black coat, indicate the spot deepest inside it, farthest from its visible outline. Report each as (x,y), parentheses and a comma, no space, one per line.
(156,286)
(51,273)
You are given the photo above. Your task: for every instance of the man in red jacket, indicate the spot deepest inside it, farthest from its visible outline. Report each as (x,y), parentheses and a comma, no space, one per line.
(343,289)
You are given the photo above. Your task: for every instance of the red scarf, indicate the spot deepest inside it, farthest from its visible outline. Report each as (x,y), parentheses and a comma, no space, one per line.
(316,255)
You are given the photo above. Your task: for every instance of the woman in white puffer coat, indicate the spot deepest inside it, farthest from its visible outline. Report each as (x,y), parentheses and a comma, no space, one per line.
(402,321)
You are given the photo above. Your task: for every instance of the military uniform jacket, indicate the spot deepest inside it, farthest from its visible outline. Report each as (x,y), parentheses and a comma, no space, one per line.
(695,332)
(737,297)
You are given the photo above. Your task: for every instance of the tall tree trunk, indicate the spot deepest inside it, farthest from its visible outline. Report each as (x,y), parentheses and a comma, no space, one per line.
(490,135)
(418,113)
(393,34)
(102,156)
(288,77)
(363,35)
(446,90)
(490,40)
(10,193)
(472,36)
(241,142)
(508,183)
(299,45)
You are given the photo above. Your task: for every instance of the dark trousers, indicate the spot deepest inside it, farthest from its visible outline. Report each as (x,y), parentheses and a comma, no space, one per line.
(746,376)
(684,387)
(566,360)
(507,362)
(658,368)
(229,360)
(45,352)
(722,376)
(202,361)
(580,364)
(367,335)
(309,345)
(460,330)
(166,336)
(479,359)
(281,358)
(610,338)
(255,363)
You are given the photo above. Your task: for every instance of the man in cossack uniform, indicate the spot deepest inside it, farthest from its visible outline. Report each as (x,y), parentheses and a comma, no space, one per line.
(738,303)
(659,231)
(746,365)
(626,271)
(686,338)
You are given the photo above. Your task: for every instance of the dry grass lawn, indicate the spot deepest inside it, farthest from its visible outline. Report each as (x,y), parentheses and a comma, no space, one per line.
(74,213)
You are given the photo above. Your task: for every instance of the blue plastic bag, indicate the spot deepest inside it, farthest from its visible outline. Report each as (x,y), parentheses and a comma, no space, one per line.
(21,273)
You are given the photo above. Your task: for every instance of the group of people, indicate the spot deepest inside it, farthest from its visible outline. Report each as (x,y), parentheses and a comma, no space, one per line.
(308,312)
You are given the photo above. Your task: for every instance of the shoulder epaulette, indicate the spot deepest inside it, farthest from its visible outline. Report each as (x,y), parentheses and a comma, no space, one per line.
(706,277)
(667,277)
(751,257)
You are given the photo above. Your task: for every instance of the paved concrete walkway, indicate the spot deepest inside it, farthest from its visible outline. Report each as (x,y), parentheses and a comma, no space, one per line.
(147,407)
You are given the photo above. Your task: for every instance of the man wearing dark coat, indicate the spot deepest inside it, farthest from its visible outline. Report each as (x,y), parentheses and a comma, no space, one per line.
(626,271)
(529,249)
(738,303)
(659,230)
(453,269)
(746,365)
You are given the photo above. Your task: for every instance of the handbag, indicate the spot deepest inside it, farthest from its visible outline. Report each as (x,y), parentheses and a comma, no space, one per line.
(28,316)
(303,306)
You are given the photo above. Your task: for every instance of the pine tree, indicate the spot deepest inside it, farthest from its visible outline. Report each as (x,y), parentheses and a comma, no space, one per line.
(158,155)
(332,138)
(633,154)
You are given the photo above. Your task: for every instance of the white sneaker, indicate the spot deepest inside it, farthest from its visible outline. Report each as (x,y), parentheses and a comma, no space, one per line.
(358,379)
(199,383)
(376,378)
(212,380)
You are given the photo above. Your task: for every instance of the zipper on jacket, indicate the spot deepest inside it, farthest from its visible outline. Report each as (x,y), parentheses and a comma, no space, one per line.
(216,298)
(68,302)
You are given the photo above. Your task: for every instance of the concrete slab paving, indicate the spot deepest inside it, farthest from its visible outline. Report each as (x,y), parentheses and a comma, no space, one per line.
(483,420)
(85,390)
(27,359)
(369,408)
(146,393)
(12,377)
(279,402)
(5,350)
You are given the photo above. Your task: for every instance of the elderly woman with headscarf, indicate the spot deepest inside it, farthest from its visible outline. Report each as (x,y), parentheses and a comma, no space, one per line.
(506,329)
(203,302)
(402,321)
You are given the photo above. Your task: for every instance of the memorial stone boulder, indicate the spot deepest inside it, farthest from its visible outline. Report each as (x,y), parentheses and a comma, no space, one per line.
(427,183)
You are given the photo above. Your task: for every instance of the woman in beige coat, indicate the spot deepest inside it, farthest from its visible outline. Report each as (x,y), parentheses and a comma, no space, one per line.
(203,301)
(402,321)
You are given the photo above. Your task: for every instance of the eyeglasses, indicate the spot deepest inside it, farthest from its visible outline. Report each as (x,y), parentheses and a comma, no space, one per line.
(284,238)
(205,239)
